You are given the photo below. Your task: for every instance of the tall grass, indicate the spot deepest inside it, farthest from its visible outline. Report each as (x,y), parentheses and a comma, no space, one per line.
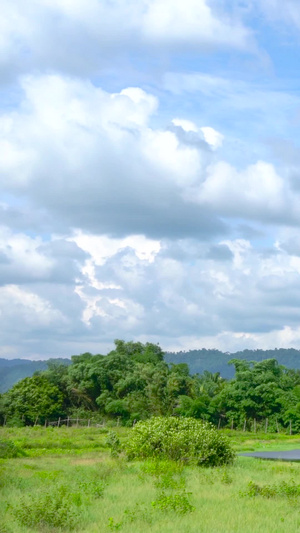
(68,481)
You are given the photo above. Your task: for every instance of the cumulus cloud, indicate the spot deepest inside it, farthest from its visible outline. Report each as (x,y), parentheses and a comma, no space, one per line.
(92,160)
(152,210)
(85,36)
(257,192)
(203,291)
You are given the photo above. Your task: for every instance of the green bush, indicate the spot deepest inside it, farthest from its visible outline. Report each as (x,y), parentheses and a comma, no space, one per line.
(8,450)
(179,439)
(285,489)
(55,509)
(175,502)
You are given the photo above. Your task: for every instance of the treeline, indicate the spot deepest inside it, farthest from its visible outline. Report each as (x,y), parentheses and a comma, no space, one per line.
(212,360)
(134,382)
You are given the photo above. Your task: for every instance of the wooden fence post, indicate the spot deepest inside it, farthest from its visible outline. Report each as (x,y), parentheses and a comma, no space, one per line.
(219,423)
(58,423)
(267,421)
(245,424)
(254,425)
(290,427)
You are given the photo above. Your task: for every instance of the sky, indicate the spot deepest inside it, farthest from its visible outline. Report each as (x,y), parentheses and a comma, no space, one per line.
(150,175)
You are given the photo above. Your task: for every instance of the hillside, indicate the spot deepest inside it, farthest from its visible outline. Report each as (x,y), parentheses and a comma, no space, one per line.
(217,361)
(11,371)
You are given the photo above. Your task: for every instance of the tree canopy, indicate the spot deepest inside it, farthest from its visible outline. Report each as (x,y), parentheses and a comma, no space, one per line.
(134,382)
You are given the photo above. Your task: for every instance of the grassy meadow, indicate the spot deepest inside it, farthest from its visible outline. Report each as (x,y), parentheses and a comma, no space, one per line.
(67,479)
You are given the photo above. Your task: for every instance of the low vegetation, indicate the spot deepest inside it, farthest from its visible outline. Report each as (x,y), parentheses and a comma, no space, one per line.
(158,450)
(66,479)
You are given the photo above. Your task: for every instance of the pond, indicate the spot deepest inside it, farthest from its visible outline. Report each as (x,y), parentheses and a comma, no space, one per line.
(288,455)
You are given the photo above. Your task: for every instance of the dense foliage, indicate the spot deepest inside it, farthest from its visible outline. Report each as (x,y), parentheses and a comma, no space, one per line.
(179,439)
(134,382)
(12,370)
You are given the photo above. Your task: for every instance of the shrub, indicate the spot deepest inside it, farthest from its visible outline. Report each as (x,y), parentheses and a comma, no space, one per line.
(8,450)
(55,509)
(179,439)
(285,489)
(175,502)
(113,442)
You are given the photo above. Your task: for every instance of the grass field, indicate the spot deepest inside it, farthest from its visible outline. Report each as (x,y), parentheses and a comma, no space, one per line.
(66,479)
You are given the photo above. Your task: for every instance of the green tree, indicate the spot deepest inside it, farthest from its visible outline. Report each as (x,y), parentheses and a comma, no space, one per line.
(33,399)
(258,390)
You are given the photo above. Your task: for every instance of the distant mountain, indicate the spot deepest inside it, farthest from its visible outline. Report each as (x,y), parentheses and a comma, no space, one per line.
(217,361)
(13,370)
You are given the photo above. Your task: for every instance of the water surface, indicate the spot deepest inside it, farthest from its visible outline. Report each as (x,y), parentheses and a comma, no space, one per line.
(288,455)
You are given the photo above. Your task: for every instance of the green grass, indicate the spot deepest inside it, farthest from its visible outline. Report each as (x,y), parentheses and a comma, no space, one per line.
(67,480)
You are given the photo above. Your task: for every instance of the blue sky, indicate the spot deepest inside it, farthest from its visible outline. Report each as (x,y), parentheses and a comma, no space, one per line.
(150,175)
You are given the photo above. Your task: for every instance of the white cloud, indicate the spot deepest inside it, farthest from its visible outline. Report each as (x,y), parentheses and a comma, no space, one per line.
(22,309)
(212,137)
(21,256)
(85,36)
(92,159)
(257,192)
(186,125)
(101,247)
(287,11)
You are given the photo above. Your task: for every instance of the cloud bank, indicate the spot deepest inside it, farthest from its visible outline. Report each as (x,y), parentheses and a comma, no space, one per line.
(147,191)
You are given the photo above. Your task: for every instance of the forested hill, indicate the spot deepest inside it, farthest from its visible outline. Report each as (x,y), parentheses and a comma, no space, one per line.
(217,361)
(11,371)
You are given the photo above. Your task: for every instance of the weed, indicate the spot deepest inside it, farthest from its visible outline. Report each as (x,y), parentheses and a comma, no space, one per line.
(92,488)
(42,474)
(9,450)
(113,525)
(157,468)
(138,513)
(175,502)
(113,442)
(226,478)
(167,481)
(57,509)
(4,528)
(285,489)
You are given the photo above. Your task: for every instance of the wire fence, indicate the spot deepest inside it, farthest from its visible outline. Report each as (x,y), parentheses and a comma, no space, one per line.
(247,425)
(71,422)
(67,422)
